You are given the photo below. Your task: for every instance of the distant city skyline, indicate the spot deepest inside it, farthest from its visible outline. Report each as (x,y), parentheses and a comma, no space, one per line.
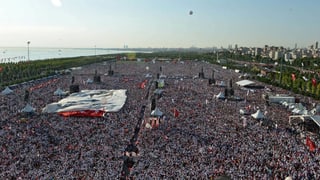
(157,24)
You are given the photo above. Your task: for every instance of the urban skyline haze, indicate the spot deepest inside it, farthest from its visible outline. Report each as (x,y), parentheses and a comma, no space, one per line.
(157,24)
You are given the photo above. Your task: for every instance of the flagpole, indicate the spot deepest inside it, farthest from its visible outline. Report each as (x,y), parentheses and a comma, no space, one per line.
(28,43)
(281,70)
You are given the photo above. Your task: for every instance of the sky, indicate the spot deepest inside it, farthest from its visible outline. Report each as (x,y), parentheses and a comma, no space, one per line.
(159,23)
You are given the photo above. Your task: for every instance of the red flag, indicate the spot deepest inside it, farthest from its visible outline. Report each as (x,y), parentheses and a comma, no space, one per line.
(314,82)
(175,112)
(308,141)
(293,77)
(142,85)
(310,144)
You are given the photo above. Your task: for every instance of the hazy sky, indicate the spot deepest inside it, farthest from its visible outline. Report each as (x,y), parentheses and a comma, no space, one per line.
(158,23)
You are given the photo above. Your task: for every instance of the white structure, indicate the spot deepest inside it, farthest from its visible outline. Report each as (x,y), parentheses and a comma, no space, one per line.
(6,91)
(281,98)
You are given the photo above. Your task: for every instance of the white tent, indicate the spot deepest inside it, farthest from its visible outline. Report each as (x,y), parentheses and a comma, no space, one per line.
(59,92)
(28,109)
(258,115)
(6,91)
(221,84)
(51,108)
(243,112)
(220,95)
(244,83)
(89,81)
(162,76)
(156,112)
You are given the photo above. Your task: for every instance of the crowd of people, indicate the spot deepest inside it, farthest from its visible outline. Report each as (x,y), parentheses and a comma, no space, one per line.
(205,140)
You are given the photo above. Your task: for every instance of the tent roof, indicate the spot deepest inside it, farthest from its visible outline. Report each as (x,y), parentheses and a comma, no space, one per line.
(7,90)
(258,115)
(244,82)
(316,119)
(89,80)
(28,108)
(220,95)
(156,112)
(59,92)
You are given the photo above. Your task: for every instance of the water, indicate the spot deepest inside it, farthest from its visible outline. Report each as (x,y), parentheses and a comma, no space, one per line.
(16,54)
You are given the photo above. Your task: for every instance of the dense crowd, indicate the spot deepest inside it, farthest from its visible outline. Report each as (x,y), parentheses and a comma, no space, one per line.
(206,140)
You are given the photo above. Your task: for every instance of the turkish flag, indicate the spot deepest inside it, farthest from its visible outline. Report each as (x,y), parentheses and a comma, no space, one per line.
(314,82)
(175,112)
(310,144)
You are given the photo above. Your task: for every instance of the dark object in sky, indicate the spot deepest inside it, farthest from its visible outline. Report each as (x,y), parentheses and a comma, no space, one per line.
(190,12)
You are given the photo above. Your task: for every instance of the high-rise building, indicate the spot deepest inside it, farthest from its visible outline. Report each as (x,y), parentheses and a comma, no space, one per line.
(257,51)
(317,45)
(278,55)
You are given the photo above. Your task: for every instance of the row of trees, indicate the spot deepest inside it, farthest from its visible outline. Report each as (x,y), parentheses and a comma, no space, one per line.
(17,72)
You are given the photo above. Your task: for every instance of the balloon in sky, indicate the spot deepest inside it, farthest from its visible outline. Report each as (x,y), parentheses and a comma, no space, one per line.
(190,12)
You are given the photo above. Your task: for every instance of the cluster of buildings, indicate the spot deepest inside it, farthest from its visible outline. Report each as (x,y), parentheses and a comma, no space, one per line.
(276,53)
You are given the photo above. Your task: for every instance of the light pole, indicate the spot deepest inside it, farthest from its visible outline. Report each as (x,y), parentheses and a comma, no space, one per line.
(28,43)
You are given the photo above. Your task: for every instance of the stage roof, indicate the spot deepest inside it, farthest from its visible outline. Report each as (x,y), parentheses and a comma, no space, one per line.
(244,83)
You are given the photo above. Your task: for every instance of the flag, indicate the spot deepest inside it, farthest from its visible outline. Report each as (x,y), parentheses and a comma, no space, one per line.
(142,85)
(293,77)
(175,113)
(310,144)
(314,82)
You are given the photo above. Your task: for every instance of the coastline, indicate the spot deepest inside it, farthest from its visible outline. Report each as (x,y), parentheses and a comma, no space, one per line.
(17,54)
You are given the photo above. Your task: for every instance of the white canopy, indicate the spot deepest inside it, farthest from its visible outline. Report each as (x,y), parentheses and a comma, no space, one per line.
(59,92)
(6,91)
(243,112)
(89,80)
(258,115)
(221,83)
(156,112)
(28,108)
(220,95)
(244,82)
(162,76)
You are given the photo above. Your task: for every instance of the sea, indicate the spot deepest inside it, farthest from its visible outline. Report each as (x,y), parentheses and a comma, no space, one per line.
(17,54)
